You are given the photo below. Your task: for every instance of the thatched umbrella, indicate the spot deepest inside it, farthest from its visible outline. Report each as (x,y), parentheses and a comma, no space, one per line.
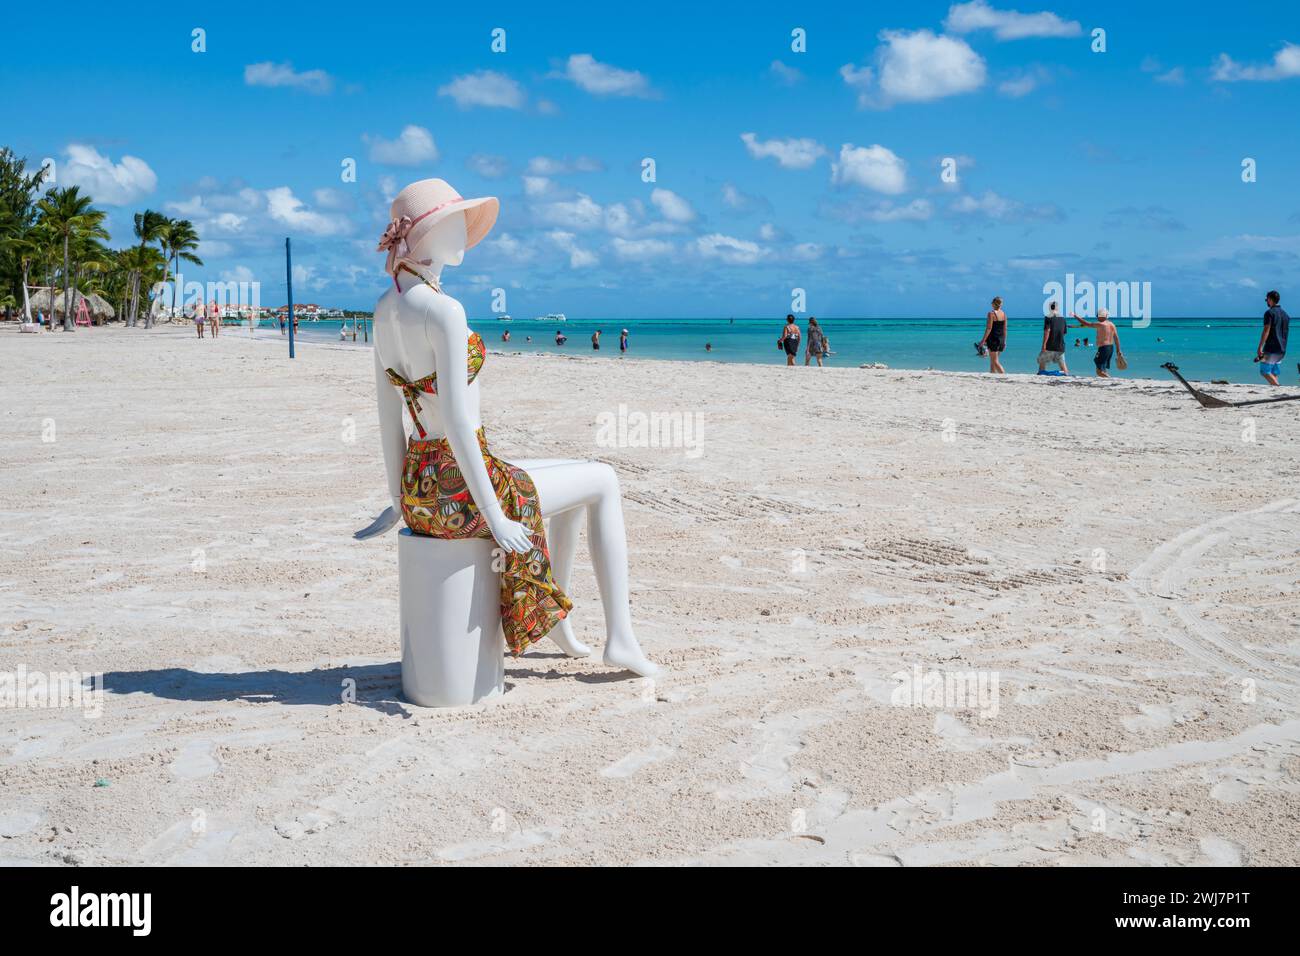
(99,308)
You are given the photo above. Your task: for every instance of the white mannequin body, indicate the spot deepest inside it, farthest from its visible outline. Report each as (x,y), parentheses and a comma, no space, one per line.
(419,331)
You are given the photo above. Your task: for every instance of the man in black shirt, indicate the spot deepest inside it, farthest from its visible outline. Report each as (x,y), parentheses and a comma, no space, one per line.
(1053,341)
(1272,340)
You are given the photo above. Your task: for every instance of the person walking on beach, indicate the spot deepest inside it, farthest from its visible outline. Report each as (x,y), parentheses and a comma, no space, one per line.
(282,325)
(595,340)
(199,318)
(1272,341)
(789,340)
(214,317)
(995,336)
(816,348)
(1107,342)
(1053,341)
(622,342)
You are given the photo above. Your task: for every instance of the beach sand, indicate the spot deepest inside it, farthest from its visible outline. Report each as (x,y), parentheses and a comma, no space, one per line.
(1124,563)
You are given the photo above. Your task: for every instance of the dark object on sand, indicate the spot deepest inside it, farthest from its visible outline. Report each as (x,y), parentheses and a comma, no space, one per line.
(980,349)
(1209,401)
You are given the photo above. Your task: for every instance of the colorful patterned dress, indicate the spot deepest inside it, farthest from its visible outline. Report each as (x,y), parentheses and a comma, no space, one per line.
(436,502)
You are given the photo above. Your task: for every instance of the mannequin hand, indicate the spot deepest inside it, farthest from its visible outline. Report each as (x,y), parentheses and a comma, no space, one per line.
(511,535)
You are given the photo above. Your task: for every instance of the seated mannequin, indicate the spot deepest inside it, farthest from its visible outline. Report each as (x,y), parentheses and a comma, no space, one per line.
(444,480)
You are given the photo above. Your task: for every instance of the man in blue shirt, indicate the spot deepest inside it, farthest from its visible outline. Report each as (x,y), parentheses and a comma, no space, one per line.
(1272,341)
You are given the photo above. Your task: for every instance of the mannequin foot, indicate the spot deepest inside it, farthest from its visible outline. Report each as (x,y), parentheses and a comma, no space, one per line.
(562,635)
(626,654)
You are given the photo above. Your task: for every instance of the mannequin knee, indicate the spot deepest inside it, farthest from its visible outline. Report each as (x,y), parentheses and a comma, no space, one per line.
(607,479)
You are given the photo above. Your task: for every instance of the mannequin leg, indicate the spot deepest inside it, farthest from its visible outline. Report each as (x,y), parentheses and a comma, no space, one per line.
(562,539)
(593,487)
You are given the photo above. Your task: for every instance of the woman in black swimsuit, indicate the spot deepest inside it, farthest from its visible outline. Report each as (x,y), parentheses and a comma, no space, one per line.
(995,336)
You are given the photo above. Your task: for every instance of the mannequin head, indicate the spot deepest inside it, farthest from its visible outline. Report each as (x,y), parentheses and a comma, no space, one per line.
(444,244)
(432,223)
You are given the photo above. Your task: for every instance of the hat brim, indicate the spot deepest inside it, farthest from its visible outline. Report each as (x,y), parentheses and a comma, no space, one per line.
(480,217)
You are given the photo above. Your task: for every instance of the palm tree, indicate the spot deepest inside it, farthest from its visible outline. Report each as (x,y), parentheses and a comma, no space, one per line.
(27,248)
(137,261)
(178,240)
(148,227)
(19,192)
(69,214)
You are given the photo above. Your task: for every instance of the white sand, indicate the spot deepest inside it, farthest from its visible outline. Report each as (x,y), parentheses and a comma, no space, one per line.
(826,538)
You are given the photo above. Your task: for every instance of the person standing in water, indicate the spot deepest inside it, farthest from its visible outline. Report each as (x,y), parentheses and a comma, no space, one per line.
(622,342)
(1053,341)
(1107,341)
(1272,341)
(560,337)
(595,341)
(995,336)
(789,340)
(816,343)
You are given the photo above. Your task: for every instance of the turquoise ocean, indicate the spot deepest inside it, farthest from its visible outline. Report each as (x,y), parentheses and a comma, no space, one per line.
(1205,349)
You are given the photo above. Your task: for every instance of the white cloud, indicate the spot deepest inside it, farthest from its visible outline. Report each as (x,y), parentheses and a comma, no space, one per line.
(283,74)
(999,208)
(1024,83)
(1036,264)
(642,250)
(916,67)
(741,201)
(546,166)
(740,252)
(1285,65)
(873,167)
(413,146)
(287,209)
(1008,24)
(918,210)
(806,252)
(109,183)
(510,247)
(770,233)
(785,74)
(331,199)
(672,206)
(579,258)
(238,274)
(485,88)
(790,153)
(580,213)
(488,166)
(536,187)
(601,79)
(1174,77)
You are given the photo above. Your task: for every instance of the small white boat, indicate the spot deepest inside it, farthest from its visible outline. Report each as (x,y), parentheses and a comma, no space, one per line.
(551,317)
(504,318)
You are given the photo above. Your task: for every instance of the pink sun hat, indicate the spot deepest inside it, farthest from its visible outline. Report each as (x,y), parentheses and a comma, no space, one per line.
(421,206)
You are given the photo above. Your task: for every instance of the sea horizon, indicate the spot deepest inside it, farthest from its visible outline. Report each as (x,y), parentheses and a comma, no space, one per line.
(1203,348)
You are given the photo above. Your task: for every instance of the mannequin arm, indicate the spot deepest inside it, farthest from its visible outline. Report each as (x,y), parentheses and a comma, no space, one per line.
(392,431)
(447,335)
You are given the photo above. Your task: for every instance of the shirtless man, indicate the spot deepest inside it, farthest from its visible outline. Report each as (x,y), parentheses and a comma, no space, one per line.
(1107,340)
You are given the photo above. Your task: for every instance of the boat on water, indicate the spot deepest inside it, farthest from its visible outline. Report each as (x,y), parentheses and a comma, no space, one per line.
(504,318)
(551,317)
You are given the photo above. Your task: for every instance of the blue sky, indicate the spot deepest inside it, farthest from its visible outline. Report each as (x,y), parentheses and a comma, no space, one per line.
(1115,166)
